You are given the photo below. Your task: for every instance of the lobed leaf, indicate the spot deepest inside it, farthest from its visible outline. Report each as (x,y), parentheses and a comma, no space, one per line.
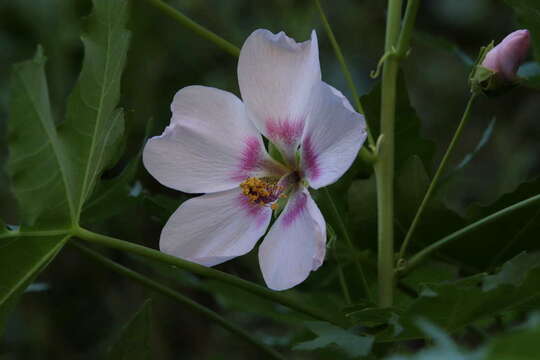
(94,127)
(327,334)
(362,202)
(133,342)
(453,305)
(23,258)
(444,347)
(519,344)
(408,138)
(484,139)
(529,74)
(411,187)
(113,196)
(480,249)
(54,170)
(505,238)
(38,168)
(440,43)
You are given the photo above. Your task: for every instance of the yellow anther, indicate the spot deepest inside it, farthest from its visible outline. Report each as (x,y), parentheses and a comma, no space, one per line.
(261,191)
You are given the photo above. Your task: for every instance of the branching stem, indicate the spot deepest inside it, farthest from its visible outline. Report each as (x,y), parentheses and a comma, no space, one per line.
(436,177)
(192,305)
(422,255)
(195,27)
(255,289)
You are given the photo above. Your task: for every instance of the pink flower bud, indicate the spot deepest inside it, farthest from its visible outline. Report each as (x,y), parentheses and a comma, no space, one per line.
(508,55)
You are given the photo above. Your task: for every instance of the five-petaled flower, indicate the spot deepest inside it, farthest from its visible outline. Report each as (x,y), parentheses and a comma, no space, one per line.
(213,145)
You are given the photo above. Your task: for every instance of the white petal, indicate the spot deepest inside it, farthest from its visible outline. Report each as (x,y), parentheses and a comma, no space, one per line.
(214,228)
(334,133)
(276,77)
(295,244)
(209,146)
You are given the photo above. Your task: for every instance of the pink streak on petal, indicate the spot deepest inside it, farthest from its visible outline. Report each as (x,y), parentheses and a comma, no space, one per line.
(295,210)
(310,159)
(254,211)
(285,130)
(251,155)
(250,158)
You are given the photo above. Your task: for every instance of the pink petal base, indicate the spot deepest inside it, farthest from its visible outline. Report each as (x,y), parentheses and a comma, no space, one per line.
(310,159)
(254,211)
(295,210)
(251,158)
(285,130)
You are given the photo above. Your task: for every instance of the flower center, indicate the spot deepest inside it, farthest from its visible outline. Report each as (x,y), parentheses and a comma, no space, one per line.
(262,191)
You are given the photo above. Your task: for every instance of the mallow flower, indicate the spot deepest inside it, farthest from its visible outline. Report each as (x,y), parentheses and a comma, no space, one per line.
(214,145)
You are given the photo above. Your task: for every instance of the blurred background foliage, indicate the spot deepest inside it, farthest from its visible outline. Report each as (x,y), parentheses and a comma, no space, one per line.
(77,308)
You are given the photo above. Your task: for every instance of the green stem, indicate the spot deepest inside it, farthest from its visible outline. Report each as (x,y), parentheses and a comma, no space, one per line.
(18,233)
(196,28)
(207,313)
(408,26)
(384,167)
(343,64)
(345,234)
(532,222)
(422,255)
(365,154)
(342,280)
(437,175)
(207,272)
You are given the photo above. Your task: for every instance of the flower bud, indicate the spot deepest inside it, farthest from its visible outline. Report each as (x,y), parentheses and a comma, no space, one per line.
(505,58)
(495,69)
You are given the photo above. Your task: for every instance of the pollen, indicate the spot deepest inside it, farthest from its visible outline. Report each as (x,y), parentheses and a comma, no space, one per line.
(261,191)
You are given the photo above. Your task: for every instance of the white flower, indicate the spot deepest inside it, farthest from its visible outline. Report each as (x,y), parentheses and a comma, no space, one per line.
(213,145)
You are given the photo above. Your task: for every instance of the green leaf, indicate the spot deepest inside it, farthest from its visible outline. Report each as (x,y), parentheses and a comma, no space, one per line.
(411,187)
(362,202)
(3,228)
(486,135)
(53,170)
(94,127)
(327,334)
(483,248)
(39,170)
(443,44)
(505,238)
(25,257)
(370,316)
(431,272)
(453,305)
(518,344)
(408,138)
(528,14)
(161,206)
(235,299)
(444,347)
(113,196)
(133,342)
(513,271)
(529,74)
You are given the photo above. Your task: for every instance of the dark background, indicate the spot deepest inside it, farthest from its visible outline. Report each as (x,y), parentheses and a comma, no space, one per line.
(76,308)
